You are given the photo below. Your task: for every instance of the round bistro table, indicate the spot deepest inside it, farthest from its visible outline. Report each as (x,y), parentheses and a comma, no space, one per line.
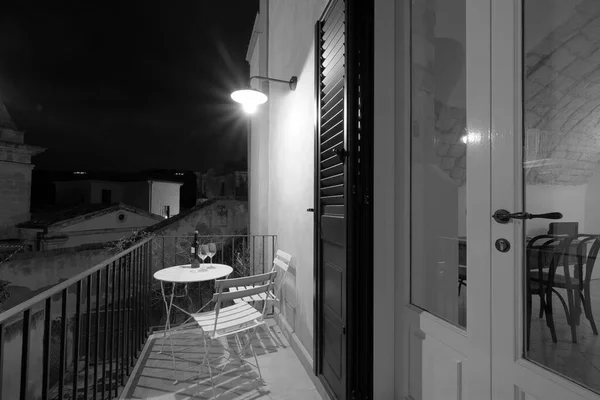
(185,274)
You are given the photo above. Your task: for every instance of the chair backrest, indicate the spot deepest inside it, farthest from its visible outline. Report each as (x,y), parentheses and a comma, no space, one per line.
(562,228)
(556,246)
(587,254)
(262,283)
(282,260)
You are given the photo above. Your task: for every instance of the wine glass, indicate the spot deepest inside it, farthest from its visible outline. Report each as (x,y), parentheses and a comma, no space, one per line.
(203,253)
(212,250)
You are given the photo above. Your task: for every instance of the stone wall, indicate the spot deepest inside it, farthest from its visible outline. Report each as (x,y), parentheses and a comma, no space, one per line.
(15,189)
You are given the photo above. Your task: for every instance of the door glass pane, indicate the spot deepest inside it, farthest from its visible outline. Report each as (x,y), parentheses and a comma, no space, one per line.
(561,111)
(438,158)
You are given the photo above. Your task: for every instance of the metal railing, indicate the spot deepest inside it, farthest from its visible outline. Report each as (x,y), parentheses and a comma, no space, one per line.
(81,338)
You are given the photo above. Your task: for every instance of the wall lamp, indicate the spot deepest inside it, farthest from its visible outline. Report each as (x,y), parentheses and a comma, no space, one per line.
(250,99)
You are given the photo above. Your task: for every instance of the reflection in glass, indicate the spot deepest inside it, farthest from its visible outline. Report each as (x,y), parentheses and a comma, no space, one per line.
(561,150)
(438,152)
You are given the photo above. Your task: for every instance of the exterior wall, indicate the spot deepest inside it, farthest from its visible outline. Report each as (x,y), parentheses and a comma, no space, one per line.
(110,221)
(117,191)
(281,173)
(68,193)
(258,160)
(230,184)
(210,220)
(15,189)
(137,195)
(282,151)
(164,194)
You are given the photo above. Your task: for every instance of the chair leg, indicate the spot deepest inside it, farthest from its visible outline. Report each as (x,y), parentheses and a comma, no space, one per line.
(542,304)
(208,365)
(549,316)
(587,306)
(572,319)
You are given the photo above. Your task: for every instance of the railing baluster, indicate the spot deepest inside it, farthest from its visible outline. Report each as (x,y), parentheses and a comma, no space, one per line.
(148,291)
(25,354)
(253,255)
(263,255)
(119,358)
(232,253)
(97,336)
(133,308)
(112,328)
(106,287)
(76,338)
(139,305)
(88,309)
(63,345)
(46,347)
(130,309)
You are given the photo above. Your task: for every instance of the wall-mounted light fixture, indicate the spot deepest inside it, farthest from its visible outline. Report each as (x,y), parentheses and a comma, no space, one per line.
(250,99)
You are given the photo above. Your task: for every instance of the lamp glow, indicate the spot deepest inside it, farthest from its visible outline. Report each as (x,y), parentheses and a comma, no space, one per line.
(249,108)
(249,97)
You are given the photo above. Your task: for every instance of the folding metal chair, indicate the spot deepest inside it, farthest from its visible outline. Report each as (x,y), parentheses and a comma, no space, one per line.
(235,319)
(281,262)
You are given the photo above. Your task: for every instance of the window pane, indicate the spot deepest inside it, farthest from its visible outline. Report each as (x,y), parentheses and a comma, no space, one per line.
(439,163)
(561,110)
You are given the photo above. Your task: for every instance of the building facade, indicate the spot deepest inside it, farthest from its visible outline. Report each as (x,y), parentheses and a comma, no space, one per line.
(154,196)
(15,175)
(479,122)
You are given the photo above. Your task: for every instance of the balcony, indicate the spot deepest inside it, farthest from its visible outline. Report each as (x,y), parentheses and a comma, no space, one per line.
(98,334)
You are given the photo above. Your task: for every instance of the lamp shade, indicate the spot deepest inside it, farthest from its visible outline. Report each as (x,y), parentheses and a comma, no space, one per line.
(249,97)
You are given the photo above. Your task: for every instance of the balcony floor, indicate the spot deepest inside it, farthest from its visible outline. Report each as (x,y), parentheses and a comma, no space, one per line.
(283,373)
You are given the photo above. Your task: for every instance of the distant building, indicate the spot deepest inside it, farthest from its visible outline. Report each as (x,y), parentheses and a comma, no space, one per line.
(15,175)
(154,196)
(218,183)
(83,224)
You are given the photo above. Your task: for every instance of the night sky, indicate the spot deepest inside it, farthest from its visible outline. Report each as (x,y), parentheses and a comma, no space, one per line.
(127,85)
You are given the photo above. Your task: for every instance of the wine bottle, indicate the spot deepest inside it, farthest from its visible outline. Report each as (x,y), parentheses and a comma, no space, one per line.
(194,251)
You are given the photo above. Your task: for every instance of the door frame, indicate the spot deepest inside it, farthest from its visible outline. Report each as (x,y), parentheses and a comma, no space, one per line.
(359,214)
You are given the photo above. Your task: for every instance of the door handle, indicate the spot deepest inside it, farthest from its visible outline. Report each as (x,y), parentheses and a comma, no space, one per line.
(503,216)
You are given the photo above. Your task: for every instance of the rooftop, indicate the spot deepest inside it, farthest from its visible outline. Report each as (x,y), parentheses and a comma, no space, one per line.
(57,215)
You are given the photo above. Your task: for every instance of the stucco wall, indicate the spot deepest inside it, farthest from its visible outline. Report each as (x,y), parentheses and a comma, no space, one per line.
(164,194)
(210,221)
(110,221)
(75,192)
(282,152)
(15,188)
(258,160)
(117,191)
(137,195)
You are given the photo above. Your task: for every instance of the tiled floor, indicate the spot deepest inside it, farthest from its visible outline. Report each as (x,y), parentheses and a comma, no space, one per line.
(284,375)
(579,361)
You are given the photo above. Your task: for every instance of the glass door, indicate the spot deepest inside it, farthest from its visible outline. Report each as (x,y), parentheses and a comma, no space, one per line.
(545,191)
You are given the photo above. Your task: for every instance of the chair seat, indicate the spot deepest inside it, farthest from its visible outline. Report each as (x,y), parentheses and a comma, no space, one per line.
(236,318)
(559,279)
(257,297)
